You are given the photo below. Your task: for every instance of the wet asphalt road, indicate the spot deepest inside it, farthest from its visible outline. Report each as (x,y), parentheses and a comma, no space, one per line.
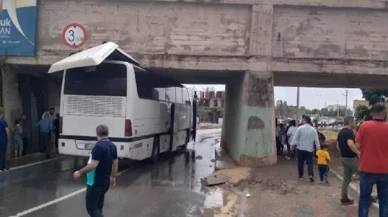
(169,188)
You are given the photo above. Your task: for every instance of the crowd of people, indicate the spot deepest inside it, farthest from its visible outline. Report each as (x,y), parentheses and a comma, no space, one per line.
(20,132)
(364,153)
(286,133)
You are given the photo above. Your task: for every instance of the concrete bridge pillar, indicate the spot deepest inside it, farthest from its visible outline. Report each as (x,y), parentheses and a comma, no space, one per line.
(248,129)
(11,102)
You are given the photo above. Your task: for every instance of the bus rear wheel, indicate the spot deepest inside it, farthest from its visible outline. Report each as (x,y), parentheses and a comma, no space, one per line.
(155,150)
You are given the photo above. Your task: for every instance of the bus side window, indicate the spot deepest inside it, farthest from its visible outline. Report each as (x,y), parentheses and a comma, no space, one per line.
(186,97)
(161,93)
(179,95)
(144,92)
(146,83)
(170,94)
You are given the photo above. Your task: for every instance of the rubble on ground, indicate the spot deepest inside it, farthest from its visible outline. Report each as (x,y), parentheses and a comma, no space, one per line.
(214,179)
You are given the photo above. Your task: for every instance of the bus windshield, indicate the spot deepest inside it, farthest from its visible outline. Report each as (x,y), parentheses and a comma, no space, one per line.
(107,79)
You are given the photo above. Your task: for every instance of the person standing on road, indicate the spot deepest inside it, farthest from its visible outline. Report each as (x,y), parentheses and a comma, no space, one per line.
(101,172)
(4,133)
(18,138)
(372,139)
(50,112)
(323,163)
(349,157)
(305,140)
(26,133)
(301,122)
(282,137)
(45,127)
(278,141)
(290,135)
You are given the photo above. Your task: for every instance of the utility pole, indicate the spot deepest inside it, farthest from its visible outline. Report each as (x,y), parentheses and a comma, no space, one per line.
(346,103)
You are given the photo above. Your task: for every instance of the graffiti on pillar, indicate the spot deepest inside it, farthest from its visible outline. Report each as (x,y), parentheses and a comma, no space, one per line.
(18,24)
(255,123)
(259,91)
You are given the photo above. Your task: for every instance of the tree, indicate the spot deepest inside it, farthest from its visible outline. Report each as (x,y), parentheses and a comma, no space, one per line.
(350,112)
(303,110)
(324,112)
(283,110)
(374,96)
(279,107)
(362,113)
(315,111)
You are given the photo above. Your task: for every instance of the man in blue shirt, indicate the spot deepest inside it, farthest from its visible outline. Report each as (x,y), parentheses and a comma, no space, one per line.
(101,172)
(4,132)
(305,139)
(45,127)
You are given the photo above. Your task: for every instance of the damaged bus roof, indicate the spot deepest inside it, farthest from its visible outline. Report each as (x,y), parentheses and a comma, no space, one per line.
(92,57)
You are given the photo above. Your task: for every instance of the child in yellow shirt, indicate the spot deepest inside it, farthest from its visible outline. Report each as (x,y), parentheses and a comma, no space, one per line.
(323,163)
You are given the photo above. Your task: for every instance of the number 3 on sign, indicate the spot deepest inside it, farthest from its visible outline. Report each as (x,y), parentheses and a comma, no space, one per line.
(74,35)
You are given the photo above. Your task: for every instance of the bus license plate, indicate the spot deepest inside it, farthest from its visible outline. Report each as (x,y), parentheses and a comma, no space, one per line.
(89,146)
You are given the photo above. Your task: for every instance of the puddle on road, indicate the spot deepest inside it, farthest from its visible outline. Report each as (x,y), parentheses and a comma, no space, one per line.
(205,138)
(185,168)
(221,202)
(214,199)
(199,157)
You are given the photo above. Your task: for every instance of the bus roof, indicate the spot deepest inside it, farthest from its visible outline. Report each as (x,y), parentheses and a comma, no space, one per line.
(92,57)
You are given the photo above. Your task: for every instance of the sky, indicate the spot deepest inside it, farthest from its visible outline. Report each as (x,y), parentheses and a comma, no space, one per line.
(309,97)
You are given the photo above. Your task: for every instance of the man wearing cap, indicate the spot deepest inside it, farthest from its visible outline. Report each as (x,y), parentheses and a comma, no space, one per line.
(372,139)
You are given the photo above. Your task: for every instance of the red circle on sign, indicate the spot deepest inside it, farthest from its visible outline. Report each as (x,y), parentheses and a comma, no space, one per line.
(74,25)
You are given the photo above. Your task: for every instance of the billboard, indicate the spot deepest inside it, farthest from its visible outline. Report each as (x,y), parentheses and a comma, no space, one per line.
(18,24)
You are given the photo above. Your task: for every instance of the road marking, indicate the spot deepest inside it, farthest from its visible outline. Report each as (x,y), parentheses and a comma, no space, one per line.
(39,162)
(36,208)
(352,185)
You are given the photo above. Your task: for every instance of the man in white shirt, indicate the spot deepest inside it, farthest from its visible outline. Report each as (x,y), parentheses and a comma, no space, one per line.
(290,134)
(305,138)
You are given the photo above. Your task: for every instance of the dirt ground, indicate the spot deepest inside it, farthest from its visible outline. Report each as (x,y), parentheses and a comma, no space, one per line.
(206,126)
(275,191)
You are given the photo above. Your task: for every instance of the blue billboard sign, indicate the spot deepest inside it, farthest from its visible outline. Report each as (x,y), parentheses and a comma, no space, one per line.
(18,24)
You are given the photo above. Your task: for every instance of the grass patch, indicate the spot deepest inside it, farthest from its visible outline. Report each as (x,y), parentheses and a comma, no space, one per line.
(330,134)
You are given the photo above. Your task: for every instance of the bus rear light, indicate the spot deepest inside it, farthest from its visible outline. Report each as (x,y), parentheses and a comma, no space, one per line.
(60,124)
(128,128)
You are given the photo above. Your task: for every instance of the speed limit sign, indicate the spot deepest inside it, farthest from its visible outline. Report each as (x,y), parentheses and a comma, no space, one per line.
(74,35)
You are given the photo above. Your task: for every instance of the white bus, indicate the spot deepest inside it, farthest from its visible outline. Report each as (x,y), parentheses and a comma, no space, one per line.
(147,114)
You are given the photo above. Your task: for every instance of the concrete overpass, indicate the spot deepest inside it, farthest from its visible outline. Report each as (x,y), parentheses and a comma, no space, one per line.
(250,45)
